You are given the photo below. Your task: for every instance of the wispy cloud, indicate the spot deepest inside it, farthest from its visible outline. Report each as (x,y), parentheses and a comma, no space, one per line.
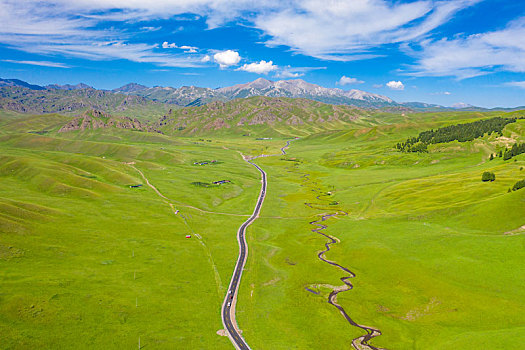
(329,30)
(520,84)
(40,63)
(55,28)
(150,29)
(189,49)
(473,55)
(295,72)
(348,80)
(348,30)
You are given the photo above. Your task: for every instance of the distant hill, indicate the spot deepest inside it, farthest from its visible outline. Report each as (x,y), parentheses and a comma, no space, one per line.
(131,87)
(76,99)
(93,119)
(260,115)
(197,96)
(183,96)
(19,83)
(299,88)
(426,107)
(69,87)
(133,96)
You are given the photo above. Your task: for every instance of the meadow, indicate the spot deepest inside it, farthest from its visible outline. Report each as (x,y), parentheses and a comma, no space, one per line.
(88,262)
(437,253)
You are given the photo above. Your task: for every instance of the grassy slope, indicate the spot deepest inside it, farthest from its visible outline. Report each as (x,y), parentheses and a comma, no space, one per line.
(423,234)
(260,116)
(74,234)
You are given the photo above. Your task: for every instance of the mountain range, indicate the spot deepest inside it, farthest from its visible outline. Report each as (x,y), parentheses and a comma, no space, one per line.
(297,88)
(24,97)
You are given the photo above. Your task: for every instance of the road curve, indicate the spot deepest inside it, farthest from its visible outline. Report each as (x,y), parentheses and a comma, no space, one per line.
(228,305)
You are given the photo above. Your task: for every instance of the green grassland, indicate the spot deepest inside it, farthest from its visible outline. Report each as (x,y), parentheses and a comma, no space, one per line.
(425,237)
(88,262)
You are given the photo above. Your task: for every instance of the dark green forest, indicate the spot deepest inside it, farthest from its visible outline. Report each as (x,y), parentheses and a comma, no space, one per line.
(460,132)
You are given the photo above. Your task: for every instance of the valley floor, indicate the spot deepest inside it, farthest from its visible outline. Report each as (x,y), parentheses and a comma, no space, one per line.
(87,261)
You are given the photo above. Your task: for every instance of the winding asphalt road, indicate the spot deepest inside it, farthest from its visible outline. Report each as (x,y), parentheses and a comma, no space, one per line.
(228,306)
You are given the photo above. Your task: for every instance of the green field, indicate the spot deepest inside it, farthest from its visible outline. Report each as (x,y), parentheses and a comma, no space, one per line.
(88,262)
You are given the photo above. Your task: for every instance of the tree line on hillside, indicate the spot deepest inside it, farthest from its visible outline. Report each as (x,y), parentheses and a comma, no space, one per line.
(517,148)
(459,132)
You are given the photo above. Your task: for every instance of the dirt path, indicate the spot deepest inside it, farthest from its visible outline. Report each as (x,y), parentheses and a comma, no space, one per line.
(218,281)
(179,203)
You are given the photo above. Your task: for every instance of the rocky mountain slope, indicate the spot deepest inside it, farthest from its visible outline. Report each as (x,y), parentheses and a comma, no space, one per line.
(19,83)
(141,100)
(183,96)
(68,87)
(94,119)
(260,115)
(74,99)
(298,88)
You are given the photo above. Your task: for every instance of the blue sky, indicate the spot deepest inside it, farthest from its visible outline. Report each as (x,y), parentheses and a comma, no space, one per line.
(444,52)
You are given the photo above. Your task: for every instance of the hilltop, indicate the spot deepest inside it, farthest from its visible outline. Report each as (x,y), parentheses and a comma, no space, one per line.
(94,119)
(74,99)
(258,114)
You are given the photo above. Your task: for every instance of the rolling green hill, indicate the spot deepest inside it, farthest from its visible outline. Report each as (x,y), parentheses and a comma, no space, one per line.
(93,223)
(260,116)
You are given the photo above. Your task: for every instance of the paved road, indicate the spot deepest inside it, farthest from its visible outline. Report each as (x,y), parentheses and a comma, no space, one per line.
(228,306)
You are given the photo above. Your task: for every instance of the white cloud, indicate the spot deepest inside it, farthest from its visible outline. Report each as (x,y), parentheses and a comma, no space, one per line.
(262,67)
(347,80)
(150,29)
(473,55)
(342,29)
(227,58)
(339,30)
(40,63)
(166,45)
(55,28)
(205,58)
(377,86)
(287,74)
(189,49)
(520,84)
(395,85)
(295,72)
